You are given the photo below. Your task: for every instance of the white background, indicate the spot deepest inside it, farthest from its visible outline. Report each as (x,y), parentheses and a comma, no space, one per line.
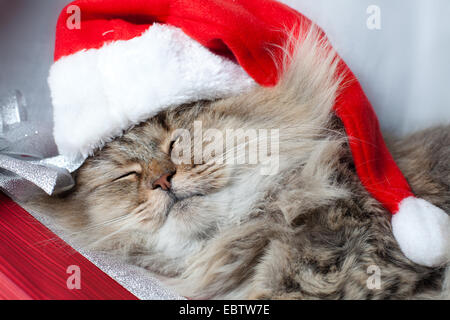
(404,67)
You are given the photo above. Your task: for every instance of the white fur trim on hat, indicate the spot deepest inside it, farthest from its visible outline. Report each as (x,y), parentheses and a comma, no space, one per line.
(423,232)
(99,93)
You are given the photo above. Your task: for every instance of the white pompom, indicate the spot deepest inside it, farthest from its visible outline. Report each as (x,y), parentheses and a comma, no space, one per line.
(423,232)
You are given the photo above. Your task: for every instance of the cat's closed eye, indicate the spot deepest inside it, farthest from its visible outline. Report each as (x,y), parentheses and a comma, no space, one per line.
(129,173)
(171,145)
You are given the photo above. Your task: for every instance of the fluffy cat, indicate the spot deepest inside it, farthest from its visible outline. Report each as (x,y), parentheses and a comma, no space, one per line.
(217,230)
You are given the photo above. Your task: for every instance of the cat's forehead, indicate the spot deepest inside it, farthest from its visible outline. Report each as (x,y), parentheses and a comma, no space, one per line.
(149,140)
(142,143)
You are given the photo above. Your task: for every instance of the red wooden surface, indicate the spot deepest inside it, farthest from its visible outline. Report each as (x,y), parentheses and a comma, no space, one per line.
(34,262)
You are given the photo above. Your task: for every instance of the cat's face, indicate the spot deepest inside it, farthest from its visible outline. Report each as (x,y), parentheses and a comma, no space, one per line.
(152,181)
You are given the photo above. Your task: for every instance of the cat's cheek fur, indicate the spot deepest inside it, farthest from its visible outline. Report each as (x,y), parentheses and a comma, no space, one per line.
(156,211)
(202,180)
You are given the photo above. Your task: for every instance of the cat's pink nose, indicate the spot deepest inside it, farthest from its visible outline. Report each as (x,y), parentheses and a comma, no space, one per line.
(163,182)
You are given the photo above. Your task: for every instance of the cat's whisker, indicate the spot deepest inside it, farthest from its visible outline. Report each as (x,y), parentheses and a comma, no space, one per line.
(109,222)
(74,234)
(133,222)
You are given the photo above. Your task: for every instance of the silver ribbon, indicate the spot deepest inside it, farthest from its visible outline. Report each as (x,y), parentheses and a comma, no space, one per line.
(25,149)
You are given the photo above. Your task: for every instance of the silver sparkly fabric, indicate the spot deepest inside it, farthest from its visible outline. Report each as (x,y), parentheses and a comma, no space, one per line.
(19,178)
(25,149)
(11,109)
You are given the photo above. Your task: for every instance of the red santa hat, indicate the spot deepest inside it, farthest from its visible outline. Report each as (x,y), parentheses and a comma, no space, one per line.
(128,59)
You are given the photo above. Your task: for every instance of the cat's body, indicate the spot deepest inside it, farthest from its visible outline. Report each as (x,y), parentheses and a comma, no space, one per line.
(310,231)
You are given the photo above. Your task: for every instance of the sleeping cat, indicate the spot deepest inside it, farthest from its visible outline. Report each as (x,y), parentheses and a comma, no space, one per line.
(216,229)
